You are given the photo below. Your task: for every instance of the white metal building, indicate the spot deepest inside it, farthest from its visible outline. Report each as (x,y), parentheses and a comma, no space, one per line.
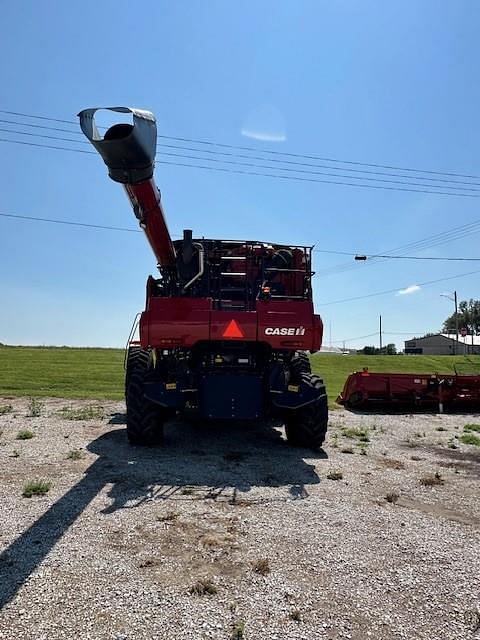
(443,344)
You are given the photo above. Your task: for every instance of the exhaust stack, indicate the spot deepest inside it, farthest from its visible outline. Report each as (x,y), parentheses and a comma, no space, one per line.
(129,150)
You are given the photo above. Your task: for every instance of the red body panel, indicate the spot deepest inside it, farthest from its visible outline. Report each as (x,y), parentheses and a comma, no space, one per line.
(170,322)
(182,321)
(410,389)
(288,325)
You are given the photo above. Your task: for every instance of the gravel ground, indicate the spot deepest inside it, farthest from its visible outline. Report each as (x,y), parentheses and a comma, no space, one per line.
(115,546)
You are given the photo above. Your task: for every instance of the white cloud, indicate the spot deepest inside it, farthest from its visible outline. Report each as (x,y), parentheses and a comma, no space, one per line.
(266,123)
(265,136)
(413,288)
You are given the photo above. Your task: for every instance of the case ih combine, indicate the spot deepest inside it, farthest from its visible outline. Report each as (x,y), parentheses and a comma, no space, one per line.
(226,323)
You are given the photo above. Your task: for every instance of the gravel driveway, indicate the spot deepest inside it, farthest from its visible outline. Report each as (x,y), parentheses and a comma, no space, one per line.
(227,532)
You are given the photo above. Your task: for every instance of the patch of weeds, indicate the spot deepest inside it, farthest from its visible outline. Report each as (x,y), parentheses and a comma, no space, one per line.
(419,435)
(34,408)
(149,562)
(25,434)
(362,448)
(75,454)
(392,497)
(346,450)
(36,488)
(334,441)
(170,516)
(452,444)
(470,438)
(261,566)
(90,412)
(391,463)
(467,427)
(416,458)
(202,587)
(5,408)
(356,433)
(432,479)
(238,630)
(441,429)
(15,453)
(335,475)
(411,443)
(187,491)
(211,540)
(295,615)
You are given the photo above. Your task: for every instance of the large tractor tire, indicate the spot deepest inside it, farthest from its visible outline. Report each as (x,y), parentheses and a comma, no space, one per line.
(299,364)
(144,418)
(307,426)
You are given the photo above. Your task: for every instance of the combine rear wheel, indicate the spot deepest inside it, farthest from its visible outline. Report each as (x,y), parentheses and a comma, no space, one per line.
(307,426)
(299,364)
(144,418)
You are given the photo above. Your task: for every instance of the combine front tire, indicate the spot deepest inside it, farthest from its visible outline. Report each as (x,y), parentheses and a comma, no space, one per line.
(144,418)
(307,426)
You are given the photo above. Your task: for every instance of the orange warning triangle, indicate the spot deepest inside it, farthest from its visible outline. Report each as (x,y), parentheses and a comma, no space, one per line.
(233,331)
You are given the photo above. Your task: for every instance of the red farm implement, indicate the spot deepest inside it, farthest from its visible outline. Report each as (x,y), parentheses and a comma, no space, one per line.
(411,391)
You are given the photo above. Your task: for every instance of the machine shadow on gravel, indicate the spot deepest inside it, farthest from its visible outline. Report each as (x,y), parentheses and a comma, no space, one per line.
(214,462)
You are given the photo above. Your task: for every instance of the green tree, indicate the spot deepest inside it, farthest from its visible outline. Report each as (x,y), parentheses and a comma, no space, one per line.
(389,350)
(468,317)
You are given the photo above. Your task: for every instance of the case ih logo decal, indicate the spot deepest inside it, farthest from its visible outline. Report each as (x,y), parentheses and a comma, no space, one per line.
(285,331)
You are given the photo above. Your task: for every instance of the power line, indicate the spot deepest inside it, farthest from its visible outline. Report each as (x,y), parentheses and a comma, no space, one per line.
(375,333)
(68,222)
(270,152)
(72,223)
(382,293)
(253,165)
(424,258)
(258,173)
(99,226)
(456,233)
(454,190)
(236,155)
(369,335)
(48,146)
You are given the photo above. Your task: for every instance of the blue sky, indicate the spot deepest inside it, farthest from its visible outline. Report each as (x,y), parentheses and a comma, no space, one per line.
(390,83)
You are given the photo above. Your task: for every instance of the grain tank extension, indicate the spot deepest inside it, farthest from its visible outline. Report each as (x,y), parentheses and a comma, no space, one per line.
(227,323)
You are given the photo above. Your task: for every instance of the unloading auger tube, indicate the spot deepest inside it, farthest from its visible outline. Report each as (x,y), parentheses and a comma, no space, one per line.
(128,150)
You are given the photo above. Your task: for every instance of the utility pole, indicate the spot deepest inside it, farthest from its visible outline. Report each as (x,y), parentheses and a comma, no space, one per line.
(456,323)
(381,341)
(454,299)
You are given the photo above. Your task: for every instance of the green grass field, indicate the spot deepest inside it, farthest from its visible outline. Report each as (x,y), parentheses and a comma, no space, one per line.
(98,373)
(61,372)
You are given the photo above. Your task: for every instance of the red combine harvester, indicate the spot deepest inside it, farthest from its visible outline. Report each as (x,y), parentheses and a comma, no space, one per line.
(365,390)
(226,324)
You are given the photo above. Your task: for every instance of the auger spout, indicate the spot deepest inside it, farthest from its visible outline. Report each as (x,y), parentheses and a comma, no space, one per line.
(129,150)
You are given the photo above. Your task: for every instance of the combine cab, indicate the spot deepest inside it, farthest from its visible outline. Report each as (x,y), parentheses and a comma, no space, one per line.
(227,323)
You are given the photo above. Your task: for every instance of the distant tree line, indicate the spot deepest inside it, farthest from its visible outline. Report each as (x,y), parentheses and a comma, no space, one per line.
(388,350)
